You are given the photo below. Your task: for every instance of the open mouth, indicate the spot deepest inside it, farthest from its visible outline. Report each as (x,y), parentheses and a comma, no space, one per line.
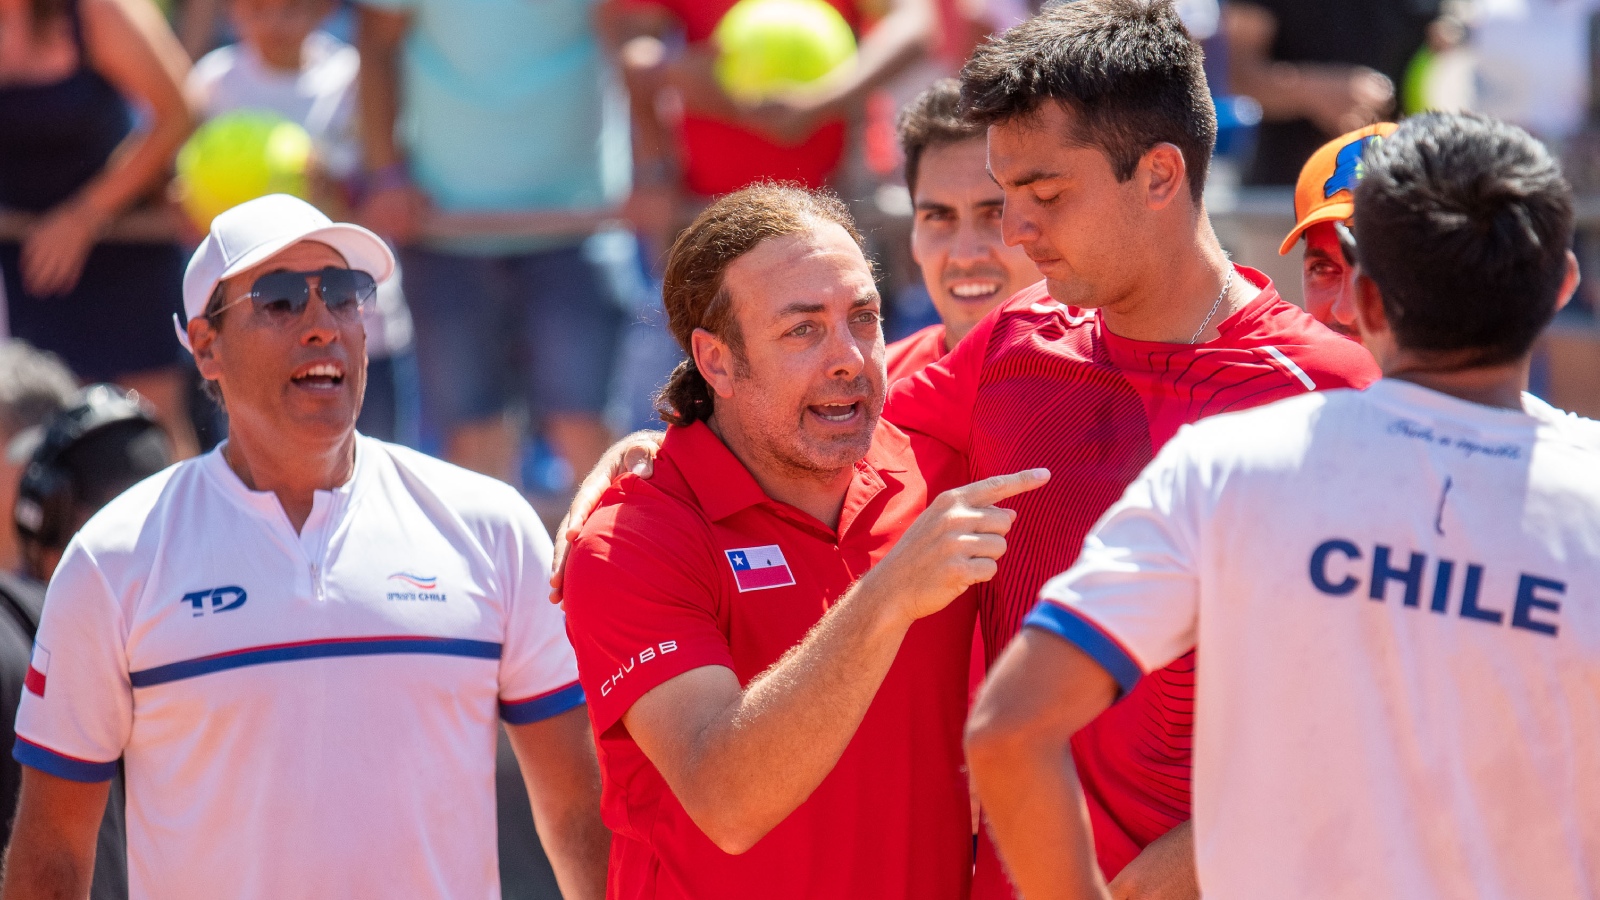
(836,413)
(323,376)
(974,290)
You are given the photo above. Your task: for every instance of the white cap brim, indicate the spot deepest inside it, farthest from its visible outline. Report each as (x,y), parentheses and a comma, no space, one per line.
(361,249)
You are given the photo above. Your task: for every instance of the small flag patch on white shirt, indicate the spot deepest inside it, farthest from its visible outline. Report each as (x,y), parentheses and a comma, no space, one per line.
(38,668)
(759,568)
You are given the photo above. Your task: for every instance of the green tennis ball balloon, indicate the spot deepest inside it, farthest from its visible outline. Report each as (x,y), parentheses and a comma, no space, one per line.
(769,46)
(240,156)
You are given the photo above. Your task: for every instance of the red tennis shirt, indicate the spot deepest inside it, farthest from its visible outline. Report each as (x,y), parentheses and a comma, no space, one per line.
(697,567)
(1037,383)
(908,355)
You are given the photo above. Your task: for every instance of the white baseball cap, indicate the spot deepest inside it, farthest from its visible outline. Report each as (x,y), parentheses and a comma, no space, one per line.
(256,230)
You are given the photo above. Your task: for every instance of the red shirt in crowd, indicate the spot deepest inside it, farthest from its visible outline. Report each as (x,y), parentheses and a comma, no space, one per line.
(908,355)
(1037,383)
(719,156)
(698,567)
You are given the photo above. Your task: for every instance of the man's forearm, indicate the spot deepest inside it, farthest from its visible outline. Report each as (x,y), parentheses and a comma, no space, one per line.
(33,872)
(379,85)
(1036,813)
(562,775)
(579,849)
(51,856)
(1040,692)
(759,760)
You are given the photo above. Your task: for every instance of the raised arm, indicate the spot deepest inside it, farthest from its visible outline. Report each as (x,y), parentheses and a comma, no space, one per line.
(1335,97)
(392,205)
(51,856)
(558,765)
(740,761)
(897,40)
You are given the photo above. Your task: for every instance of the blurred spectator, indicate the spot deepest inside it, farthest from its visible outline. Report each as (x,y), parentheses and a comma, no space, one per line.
(34,386)
(501,106)
(71,156)
(1319,69)
(1534,62)
(715,144)
(85,456)
(104,444)
(285,64)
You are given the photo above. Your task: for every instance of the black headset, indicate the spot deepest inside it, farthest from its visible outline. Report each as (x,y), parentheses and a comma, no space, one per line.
(45,499)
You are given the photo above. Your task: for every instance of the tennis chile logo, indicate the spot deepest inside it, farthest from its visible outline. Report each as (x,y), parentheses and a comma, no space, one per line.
(215,600)
(759,568)
(421,587)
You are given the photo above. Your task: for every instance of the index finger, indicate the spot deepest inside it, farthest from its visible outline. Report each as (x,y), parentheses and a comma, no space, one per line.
(995,488)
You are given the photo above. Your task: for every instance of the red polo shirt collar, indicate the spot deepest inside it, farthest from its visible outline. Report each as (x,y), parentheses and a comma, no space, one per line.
(723,486)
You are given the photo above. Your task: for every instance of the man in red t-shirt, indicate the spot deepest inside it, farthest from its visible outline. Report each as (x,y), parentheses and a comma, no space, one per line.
(955,226)
(1141,325)
(773,719)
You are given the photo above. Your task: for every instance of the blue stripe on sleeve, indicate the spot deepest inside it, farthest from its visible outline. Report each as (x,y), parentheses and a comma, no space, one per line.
(60,765)
(535,709)
(1074,628)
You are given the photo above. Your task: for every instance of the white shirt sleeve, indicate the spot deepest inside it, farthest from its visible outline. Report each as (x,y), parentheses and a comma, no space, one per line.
(538,671)
(76,712)
(1132,599)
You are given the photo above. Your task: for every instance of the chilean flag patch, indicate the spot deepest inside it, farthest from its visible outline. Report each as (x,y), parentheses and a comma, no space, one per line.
(38,668)
(759,568)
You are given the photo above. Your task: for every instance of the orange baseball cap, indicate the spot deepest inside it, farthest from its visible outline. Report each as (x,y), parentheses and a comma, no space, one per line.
(1325,191)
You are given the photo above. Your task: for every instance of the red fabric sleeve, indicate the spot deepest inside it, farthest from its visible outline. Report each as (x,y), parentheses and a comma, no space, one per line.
(642,597)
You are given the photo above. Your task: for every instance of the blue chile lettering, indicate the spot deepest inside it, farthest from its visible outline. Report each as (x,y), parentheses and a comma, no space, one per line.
(1338,567)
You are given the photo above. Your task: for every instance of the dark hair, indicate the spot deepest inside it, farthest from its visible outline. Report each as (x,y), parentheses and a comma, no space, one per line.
(693,292)
(1126,69)
(34,385)
(1464,222)
(933,119)
(112,459)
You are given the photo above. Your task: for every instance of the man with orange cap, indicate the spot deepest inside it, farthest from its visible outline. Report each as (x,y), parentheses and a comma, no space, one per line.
(1324,200)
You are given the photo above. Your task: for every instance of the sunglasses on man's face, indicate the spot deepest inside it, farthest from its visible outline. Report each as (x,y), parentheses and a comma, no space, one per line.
(283,296)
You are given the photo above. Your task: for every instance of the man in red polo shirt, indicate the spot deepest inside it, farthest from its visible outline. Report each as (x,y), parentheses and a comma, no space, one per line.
(1142,325)
(774,720)
(955,226)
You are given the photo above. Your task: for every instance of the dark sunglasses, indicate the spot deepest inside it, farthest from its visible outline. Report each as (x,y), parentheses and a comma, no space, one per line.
(283,296)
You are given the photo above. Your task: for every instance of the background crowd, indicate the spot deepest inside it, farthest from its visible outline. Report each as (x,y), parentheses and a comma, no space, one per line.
(531,163)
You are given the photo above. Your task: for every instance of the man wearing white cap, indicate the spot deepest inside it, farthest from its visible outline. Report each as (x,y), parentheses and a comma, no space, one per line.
(297,645)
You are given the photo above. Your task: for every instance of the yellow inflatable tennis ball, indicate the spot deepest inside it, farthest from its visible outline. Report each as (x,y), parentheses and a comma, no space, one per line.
(240,156)
(770,46)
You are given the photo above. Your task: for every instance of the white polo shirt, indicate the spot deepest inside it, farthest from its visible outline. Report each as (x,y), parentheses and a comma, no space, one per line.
(1396,599)
(301,715)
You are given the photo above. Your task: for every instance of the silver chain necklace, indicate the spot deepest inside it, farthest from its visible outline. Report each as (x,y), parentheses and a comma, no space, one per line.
(1226,282)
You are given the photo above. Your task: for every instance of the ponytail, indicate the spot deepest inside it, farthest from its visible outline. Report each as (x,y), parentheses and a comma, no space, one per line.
(686,398)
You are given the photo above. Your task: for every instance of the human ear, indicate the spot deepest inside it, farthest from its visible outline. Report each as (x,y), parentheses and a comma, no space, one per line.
(714,358)
(1569,281)
(1370,318)
(1163,171)
(203,340)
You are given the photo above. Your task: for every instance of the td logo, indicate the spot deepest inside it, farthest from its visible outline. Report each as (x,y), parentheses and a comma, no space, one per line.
(217,600)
